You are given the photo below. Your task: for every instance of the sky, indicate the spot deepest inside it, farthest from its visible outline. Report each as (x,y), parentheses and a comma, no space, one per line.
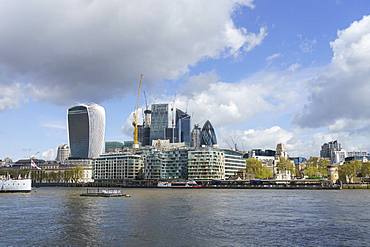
(262,71)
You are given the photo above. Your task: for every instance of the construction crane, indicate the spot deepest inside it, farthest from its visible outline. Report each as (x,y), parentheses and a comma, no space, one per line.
(135,122)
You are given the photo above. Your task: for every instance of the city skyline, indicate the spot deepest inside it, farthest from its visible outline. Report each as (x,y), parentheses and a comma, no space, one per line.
(263,73)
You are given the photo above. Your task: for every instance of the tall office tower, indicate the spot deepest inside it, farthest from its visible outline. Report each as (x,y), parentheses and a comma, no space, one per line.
(62,153)
(183,127)
(195,136)
(160,121)
(86,129)
(208,135)
(328,148)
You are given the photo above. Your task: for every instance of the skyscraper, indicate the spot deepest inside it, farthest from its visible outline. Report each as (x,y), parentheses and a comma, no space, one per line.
(208,135)
(86,130)
(160,121)
(169,123)
(195,136)
(183,127)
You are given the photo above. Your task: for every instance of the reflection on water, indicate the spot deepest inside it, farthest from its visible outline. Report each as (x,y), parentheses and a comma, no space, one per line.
(165,217)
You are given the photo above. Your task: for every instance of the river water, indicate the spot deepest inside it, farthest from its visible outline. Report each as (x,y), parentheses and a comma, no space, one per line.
(170,217)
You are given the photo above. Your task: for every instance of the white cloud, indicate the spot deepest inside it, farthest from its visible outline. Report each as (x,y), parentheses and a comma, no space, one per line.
(256,138)
(11,95)
(49,154)
(69,51)
(273,57)
(342,90)
(55,125)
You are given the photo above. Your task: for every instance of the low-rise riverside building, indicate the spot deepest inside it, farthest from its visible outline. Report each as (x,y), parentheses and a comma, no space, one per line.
(166,164)
(118,167)
(206,164)
(234,162)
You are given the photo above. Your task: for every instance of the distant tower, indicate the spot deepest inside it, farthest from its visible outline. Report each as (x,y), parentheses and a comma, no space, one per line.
(63,152)
(147,118)
(208,135)
(195,136)
(281,151)
(183,127)
(86,130)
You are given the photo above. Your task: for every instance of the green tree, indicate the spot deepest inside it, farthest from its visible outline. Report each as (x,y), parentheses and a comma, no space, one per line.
(255,167)
(285,165)
(365,169)
(349,171)
(77,174)
(316,168)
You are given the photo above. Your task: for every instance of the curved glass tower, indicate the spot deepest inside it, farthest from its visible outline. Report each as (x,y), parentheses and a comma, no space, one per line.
(207,135)
(86,131)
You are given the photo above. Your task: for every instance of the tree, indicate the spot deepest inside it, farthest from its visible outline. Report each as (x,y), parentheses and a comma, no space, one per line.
(285,165)
(77,174)
(316,167)
(365,169)
(349,171)
(255,167)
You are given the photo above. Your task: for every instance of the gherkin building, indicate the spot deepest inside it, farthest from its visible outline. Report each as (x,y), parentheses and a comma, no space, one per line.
(208,136)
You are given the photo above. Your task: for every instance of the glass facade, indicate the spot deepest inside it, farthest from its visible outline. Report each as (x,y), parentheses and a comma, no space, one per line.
(160,121)
(86,131)
(78,129)
(208,136)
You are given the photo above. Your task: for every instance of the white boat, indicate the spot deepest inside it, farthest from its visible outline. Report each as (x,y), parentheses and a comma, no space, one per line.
(15,185)
(181,184)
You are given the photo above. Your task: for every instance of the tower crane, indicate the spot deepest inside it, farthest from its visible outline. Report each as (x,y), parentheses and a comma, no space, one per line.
(135,122)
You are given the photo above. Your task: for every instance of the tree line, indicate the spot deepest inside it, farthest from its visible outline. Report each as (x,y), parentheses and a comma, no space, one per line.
(71,175)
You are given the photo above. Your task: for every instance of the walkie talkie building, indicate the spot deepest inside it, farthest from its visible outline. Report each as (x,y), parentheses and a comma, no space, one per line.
(86,131)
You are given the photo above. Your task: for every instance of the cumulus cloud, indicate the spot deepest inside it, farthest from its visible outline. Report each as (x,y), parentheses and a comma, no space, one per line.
(256,138)
(49,154)
(342,91)
(11,95)
(226,103)
(68,51)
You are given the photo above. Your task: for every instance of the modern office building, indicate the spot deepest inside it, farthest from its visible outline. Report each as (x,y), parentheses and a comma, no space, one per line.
(166,164)
(62,152)
(206,164)
(167,123)
(118,167)
(86,130)
(183,127)
(160,121)
(234,162)
(327,149)
(208,135)
(195,136)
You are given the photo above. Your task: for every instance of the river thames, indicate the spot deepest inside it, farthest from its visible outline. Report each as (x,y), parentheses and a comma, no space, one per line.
(170,217)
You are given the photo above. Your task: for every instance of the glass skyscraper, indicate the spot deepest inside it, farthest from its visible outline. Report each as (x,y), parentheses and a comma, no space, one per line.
(86,131)
(161,119)
(169,123)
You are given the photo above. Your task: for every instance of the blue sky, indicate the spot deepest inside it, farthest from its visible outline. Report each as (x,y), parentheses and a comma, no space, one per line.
(265,70)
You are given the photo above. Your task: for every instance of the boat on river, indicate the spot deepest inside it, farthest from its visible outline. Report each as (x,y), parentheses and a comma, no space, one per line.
(180,185)
(9,185)
(104,193)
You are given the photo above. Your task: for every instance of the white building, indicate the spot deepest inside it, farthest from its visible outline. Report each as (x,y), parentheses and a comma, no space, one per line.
(234,162)
(206,164)
(86,164)
(118,167)
(86,130)
(63,152)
